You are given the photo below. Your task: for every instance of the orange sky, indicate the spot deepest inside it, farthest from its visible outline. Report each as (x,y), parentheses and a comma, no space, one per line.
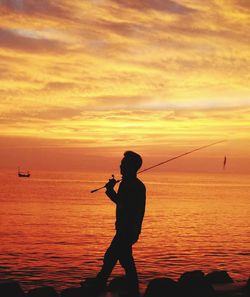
(80,80)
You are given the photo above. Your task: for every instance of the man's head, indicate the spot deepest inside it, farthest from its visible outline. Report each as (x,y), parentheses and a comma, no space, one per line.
(130,163)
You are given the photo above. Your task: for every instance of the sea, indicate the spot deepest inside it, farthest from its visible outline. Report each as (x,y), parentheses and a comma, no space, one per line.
(55,232)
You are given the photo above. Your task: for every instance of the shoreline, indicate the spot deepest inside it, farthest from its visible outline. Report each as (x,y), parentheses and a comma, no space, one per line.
(190,284)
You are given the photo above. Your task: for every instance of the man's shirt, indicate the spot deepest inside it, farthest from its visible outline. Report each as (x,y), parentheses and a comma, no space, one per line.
(130,206)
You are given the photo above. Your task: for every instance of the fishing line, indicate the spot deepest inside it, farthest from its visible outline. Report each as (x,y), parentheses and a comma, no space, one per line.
(171,159)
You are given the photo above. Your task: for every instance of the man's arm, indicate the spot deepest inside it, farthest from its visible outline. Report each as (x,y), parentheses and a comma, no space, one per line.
(111,193)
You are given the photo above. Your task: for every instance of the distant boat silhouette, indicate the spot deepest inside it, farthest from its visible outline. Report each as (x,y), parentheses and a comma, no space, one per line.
(224,162)
(23,174)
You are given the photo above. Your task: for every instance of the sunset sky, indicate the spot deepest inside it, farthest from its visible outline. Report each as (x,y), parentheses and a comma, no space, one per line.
(81,81)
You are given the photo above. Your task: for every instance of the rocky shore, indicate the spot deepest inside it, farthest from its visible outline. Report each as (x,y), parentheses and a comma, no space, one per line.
(190,284)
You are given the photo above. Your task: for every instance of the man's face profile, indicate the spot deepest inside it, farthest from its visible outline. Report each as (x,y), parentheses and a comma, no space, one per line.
(123,166)
(126,167)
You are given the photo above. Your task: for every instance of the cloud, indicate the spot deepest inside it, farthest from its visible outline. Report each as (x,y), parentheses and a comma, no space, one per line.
(124,28)
(60,86)
(33,7)
(117,73)
(40,115)
(14,41)
(166,6)
(244,4)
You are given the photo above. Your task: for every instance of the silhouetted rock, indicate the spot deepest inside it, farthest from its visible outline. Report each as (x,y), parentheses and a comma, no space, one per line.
(162,287)
(43,292)
(192,276)
(248,288)
(118,284)
(74,292)
(93,286)
(11,289)
(194,284)
(219,277)
(237,289)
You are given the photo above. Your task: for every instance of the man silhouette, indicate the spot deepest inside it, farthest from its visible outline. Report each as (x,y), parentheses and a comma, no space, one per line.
(130,207)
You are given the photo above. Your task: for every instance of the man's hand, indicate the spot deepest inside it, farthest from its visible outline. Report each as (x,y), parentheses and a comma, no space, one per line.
(112,182)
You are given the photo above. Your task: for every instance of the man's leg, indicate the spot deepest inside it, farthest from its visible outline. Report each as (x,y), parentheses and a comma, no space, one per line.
(127,261)
(109,261)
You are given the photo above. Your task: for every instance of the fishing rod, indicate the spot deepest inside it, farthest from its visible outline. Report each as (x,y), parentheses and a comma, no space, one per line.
(171,159)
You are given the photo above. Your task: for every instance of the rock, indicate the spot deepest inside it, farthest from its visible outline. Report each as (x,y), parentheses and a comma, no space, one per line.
(194,284)
(236,289)
(43,292)
(248,288)
(74,292)
(192,276)
(161,287)
(11,289)
(118,284)
(219,277)
(93,286)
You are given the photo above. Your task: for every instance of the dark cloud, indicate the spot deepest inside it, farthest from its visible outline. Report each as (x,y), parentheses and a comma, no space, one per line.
(36,8)
(52,113)
(58,113)
(118,102)
(13,40)
(61,86)
(167,6)
(219,34)
(244,4)
(5,73)
(123,28)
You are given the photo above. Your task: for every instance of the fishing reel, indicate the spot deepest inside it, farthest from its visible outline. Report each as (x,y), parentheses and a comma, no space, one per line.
(112,181)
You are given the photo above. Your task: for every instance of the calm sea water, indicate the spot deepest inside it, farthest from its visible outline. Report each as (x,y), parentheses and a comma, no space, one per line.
(54,232)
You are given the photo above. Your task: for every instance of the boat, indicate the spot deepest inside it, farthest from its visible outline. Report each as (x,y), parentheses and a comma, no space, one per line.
(23,174)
